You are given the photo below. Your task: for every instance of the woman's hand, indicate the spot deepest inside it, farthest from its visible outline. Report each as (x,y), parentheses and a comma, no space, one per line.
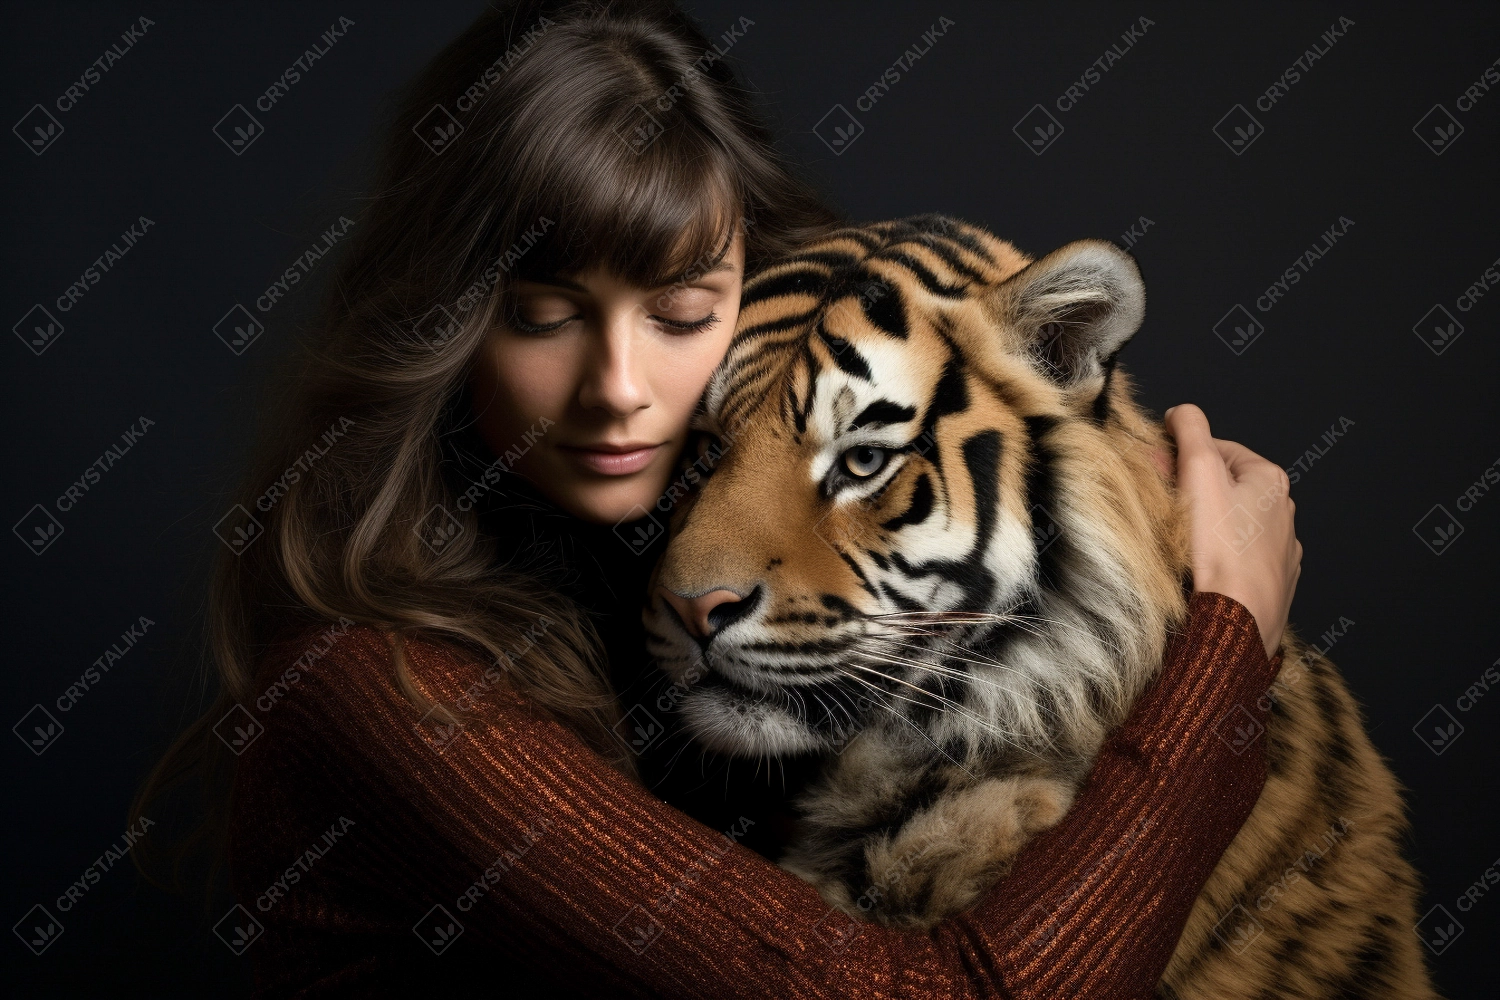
(1244,544)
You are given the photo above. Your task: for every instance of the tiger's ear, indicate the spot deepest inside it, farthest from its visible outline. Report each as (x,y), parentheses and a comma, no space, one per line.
(1075,308)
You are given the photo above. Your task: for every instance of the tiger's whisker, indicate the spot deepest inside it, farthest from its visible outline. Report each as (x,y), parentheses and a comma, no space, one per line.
(969,657)
(943,700)
(945,670)
(915,728)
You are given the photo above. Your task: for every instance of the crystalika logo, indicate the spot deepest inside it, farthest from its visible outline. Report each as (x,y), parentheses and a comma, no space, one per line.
(38,130)
(38,329)
(639,529)
(1438,130)
(1238,129)
(1038,129)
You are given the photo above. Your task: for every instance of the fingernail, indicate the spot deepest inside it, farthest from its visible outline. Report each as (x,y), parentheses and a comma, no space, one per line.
(1168,413)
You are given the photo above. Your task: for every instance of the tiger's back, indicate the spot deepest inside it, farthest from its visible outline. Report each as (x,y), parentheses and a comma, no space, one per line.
(1313,898)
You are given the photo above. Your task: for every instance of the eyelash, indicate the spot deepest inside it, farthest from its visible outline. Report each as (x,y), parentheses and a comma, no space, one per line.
(524,327)
(690,326)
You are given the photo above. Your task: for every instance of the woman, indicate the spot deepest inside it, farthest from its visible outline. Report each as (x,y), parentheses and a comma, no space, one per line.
(424,662)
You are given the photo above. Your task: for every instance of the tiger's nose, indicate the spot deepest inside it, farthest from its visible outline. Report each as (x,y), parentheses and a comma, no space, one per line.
(704,615)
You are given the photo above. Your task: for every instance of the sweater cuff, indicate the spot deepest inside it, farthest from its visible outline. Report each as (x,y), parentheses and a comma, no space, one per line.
(1217,671)
(1229,615)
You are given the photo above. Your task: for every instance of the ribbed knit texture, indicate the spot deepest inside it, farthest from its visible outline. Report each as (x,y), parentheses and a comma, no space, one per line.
(350,825)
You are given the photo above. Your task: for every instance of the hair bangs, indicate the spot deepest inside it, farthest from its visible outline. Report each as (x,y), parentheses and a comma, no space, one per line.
(653,217)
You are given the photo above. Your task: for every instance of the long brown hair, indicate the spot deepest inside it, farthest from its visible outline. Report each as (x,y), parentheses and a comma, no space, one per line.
(552,135)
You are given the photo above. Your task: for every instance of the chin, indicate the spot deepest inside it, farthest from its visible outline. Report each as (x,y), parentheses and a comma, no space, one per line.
(735,723)
(610,500)
(612,503)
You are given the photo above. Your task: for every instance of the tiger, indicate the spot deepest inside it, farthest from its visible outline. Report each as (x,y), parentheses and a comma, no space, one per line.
(928,545)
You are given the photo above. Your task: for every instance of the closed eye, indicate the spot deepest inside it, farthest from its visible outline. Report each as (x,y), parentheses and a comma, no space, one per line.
(521,325)
(534,329)
(688,326)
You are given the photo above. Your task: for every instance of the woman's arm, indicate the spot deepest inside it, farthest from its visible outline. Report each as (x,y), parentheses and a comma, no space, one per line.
(1095,905)
(546,855)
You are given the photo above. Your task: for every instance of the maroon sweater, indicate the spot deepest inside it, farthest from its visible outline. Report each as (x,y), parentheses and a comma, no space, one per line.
(370,854)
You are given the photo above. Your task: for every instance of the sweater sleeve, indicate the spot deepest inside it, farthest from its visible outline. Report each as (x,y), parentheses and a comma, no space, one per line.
(510,831)
(1095,905)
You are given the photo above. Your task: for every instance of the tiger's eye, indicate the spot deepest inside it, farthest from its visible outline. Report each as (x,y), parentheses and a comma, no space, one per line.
(864,460)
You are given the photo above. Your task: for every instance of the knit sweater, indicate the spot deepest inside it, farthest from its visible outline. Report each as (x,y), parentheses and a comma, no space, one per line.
(374,855)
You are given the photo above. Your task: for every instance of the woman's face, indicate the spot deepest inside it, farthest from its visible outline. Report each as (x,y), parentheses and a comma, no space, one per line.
(617,369)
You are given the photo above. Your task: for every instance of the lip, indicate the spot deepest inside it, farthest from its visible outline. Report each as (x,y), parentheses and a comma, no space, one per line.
(611,459)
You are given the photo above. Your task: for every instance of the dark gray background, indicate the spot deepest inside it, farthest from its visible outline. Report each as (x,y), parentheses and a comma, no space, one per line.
(1140,143)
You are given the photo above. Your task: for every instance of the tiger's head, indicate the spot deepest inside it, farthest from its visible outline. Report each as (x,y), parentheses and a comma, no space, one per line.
(926,496)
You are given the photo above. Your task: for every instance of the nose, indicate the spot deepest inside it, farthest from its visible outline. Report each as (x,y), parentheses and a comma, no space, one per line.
(704,615)
(615,380)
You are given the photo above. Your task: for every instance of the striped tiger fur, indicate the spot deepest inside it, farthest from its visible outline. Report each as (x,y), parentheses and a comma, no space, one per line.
(949,565)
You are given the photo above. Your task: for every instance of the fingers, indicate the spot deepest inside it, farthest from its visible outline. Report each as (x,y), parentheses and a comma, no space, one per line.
(1188,426)
(1243,463)
(1196,454)
(1199,453)
(1235,453)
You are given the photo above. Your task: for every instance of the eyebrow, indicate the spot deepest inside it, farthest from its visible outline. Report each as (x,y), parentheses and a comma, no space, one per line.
(561,282)
(723,265)
(558,281)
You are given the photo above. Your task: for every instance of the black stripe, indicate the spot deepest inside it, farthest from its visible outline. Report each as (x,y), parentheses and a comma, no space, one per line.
(882,412)
(1101,401)
(918,509)
(982,456)
(1279,753)
(833,645)
(846,355)
(750,386)
(864,581)
(747,373)
(794,281)
(800,412)
(778,325)
(1041,489)
(839,606)
(959,233)
(923,274)
(834,260)
(891,816)
(883,307)
(950,395)
(1331,780)
(1331,774)
(865,236)
(954,571)
(941,690)
(1370,974)
(900,600)
(950,256)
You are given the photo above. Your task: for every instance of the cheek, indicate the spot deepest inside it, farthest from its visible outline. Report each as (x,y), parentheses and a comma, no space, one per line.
(685,367)
(517,381)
